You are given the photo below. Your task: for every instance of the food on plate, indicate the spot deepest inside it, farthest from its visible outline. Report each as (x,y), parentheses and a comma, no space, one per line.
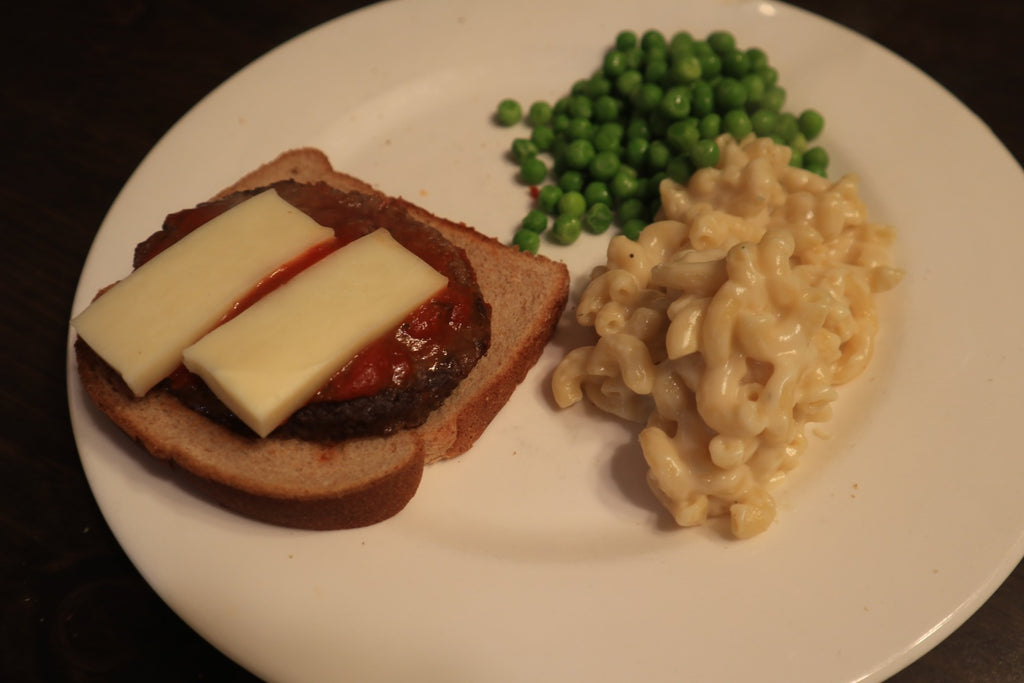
(653,108)
(473,316)
(727,325)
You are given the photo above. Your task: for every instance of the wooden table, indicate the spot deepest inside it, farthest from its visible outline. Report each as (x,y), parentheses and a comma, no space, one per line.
(86,93)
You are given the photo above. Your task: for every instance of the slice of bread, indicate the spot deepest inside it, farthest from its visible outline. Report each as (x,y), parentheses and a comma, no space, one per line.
(356,482)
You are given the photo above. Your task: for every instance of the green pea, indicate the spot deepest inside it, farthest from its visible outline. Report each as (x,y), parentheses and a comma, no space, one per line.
(769,74)
(526,240)
(614,128)
(685,69)
(535,221)
(598,85)
(704,153)
(598,218)
(633,227)
(796,159)
(606,108)
(566,229)
(656,53)
(560,123)
(681,135)
(543,137)
(681,43)
(580,106)
(596,192)
(608,137)
(653,39)
(675,104)
(540,113)
(755,88)
(816,156)
(523,149)
(628,81)
(579,153)
(623,184)
(509,112)
(816,168)
(799,143)
(787,126)
(811,123)
(702,98)
(730,94)
(636,151)
(632,208)
(634,58)
(572,203)
(757,58)
(604,166)
(774,97)
(614,63)
(763,121)
(643,189)
(710,126)
(658,154)
(646,97)
(679,169)
(710,65)
(735,63)
(557,150)
(547,198)
(638,127)
(580,128)
(625,40)
(570,181)
(561,105)
(737,124)
(655,70)
(532,171)
(721,41)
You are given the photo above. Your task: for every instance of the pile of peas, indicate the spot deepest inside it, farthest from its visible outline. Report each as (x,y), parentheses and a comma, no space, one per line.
(652,110)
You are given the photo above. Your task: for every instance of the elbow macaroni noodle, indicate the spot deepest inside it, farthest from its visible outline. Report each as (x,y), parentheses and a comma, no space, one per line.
(727,325)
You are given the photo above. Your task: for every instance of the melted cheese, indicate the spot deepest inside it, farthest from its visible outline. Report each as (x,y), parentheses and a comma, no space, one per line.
(141,325)
(269,360)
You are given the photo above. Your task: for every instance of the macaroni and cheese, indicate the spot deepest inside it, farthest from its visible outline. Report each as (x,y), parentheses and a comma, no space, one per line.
(727,325)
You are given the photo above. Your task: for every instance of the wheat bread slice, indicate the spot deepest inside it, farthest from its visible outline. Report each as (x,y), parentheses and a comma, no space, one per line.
(356,482)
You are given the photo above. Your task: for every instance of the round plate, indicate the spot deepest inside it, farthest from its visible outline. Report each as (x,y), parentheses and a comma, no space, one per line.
(540,554)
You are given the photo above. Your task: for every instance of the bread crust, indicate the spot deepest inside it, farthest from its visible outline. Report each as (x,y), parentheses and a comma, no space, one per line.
(357,482)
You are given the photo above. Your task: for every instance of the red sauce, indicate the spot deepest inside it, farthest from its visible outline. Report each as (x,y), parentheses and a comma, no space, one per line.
(281,275)
(388,362)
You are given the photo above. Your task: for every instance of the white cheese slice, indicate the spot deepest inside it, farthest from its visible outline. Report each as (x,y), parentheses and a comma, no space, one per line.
(270,360)
(141,325)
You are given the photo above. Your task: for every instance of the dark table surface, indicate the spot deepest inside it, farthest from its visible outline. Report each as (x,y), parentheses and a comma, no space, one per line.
(87,90)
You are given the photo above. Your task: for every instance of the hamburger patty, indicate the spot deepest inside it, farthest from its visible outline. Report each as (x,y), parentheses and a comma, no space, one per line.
(397,381)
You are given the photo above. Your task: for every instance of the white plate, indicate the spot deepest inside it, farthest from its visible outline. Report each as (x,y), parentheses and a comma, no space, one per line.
(540,555)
